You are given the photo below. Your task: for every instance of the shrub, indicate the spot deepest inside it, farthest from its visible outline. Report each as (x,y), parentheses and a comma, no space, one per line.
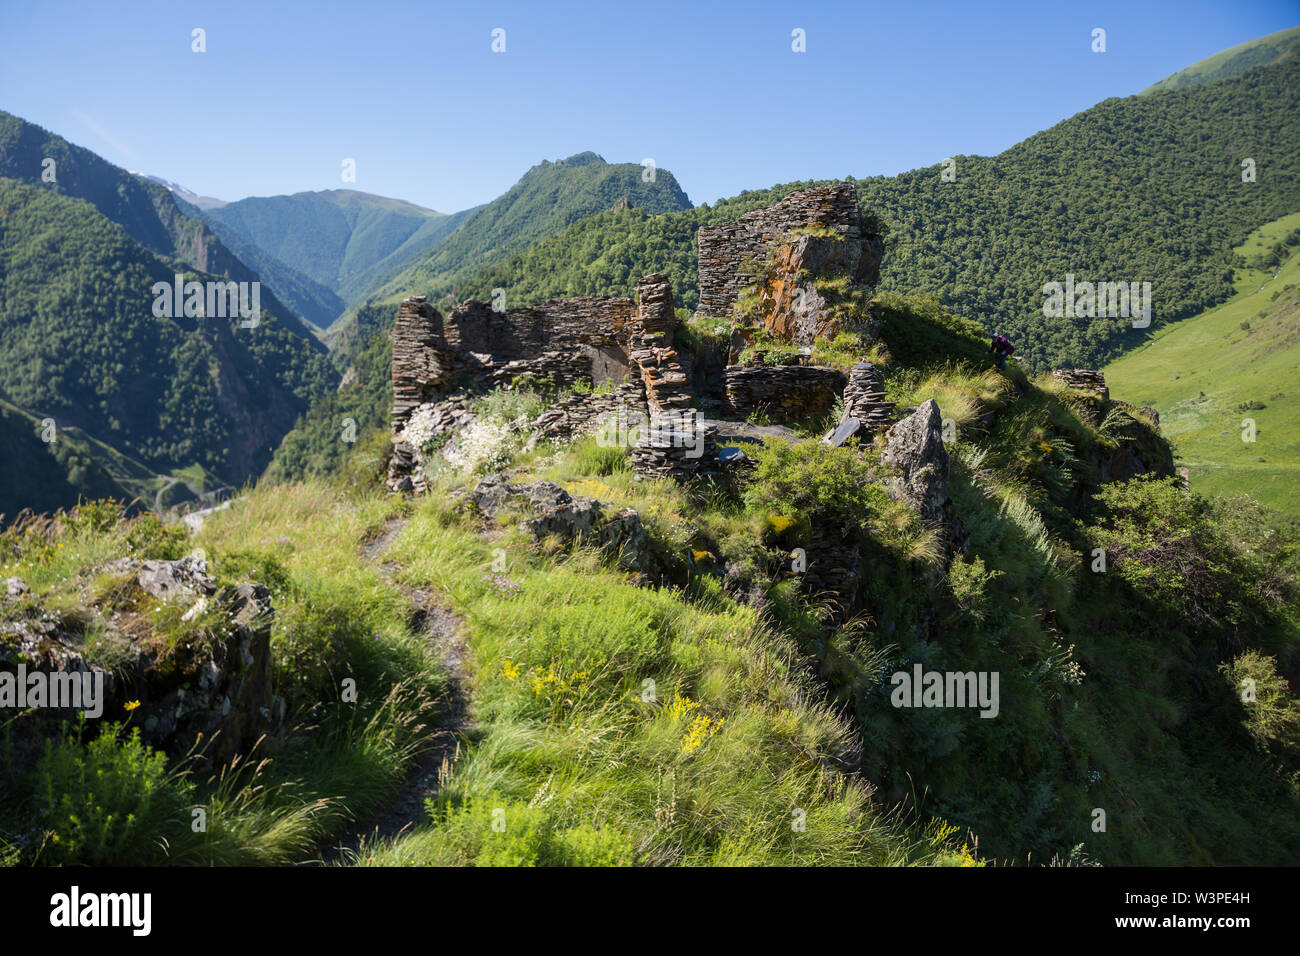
(801,478)
(1272,714)
(508,405)
(107,802)
(149,537)
(501,833)
(93,517)
(1172,548)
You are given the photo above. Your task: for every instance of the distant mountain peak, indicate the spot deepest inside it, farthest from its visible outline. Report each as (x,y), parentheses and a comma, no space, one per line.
(191,197)
(586,158)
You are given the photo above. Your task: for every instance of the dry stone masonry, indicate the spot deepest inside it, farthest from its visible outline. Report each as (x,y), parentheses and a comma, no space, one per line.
(865,410)
(784,393)
(677,444)
(787,279)
(828,211)
(625,347)
(1083,378)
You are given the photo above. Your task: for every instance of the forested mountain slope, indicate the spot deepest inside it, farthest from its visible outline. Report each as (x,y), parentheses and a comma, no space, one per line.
(343,239)
(549,197)
(80,343)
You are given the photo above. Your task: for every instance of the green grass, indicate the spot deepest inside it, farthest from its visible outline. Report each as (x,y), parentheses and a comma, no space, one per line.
(622,724)
(1204,373)
(336,617)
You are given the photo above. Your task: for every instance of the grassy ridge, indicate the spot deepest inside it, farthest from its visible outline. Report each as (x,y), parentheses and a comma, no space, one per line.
(1239,361)
(622,725)
(1231,62)
(111,801)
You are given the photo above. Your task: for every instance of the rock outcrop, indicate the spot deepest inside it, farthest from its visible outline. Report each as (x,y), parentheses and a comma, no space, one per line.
(915,448)
(212,697)
(573,520)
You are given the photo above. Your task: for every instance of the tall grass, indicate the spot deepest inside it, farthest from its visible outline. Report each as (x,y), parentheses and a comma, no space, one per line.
(630,725)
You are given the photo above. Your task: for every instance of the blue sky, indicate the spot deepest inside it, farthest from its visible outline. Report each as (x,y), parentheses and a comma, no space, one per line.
(708,89)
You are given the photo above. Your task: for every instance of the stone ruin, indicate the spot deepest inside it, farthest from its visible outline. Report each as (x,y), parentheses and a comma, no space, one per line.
(789,277)
(776,258)
(795,264)
(866,413)
(785,393)
(627,344)
(834,236)
(1083,378)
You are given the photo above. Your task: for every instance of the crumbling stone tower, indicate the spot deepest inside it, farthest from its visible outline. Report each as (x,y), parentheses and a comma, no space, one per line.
(791,274)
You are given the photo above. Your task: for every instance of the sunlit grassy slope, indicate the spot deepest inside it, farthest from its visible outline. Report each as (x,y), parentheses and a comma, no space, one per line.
(1210,374)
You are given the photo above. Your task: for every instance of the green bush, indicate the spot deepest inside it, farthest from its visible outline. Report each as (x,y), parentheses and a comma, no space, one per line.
(1272,713)
(108,802)
(502,833)
(93,517)
(150,538)
(508,405)
(801,478)
(1172,548)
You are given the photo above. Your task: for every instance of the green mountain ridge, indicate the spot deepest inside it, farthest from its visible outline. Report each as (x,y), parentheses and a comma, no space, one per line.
(1231,62)
(1141,188)
(546,199)
(148,211)
(315,302)
(342,239)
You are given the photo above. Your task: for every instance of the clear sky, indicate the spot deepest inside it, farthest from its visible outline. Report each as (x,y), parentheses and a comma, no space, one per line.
(709,89)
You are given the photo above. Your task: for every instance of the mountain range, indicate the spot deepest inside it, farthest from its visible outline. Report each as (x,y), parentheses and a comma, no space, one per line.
(1148,187)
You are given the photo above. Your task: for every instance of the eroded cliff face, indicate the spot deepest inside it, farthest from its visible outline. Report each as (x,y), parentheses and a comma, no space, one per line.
(788,278)
(214,698)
